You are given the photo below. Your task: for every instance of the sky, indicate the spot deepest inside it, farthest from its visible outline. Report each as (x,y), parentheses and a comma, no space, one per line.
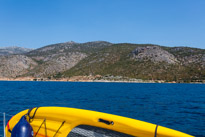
(37,23)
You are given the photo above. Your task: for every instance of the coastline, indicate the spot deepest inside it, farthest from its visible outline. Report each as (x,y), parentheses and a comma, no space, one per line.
(92,79)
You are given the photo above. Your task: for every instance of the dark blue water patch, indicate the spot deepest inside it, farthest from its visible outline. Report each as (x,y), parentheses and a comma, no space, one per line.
(177,106)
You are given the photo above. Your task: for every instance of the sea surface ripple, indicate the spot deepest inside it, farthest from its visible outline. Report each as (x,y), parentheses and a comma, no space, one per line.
(176,106)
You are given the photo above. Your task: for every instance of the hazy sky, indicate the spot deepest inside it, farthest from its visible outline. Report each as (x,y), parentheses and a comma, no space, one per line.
(36,23)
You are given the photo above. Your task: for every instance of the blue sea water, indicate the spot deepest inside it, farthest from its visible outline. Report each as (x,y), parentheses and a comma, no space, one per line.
(177,106)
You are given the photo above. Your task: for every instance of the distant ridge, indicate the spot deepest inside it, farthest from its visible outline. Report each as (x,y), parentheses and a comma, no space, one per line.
(106,61)
(13,50)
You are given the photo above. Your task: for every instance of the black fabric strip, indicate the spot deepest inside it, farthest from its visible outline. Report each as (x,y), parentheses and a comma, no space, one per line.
(155,134)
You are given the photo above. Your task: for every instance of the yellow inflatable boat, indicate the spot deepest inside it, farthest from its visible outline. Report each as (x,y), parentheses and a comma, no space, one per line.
(70,122)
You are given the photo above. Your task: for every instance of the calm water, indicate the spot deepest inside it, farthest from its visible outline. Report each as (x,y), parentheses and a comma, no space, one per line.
(177,106)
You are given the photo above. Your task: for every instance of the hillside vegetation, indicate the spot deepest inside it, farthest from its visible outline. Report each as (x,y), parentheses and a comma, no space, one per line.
(138,61)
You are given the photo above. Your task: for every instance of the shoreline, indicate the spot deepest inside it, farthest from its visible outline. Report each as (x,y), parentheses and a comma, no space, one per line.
(94,80)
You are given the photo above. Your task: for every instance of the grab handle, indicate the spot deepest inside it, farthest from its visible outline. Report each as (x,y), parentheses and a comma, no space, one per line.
(105,121)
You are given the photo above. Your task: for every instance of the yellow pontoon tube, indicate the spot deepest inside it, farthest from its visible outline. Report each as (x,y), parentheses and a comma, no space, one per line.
(70,122)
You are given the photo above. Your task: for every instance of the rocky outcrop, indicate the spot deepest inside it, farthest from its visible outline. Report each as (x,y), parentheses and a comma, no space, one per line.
(189,56)
(55,64)
(153,53)
(15,65)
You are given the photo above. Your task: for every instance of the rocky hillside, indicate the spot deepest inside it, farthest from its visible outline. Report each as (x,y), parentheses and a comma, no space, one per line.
(154,54)
(13,50)
(15,65)
(139,61)
(143,61)
(57,58)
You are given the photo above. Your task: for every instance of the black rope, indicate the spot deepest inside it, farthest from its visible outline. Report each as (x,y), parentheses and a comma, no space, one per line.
(29,111)
(155,134)
(59,128)
(44,121)
(45,129)
(34,113)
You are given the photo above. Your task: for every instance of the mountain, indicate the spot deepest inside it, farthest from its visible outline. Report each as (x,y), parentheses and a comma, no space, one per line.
(56,58)
(13,50)
(144,61)
(108,60)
